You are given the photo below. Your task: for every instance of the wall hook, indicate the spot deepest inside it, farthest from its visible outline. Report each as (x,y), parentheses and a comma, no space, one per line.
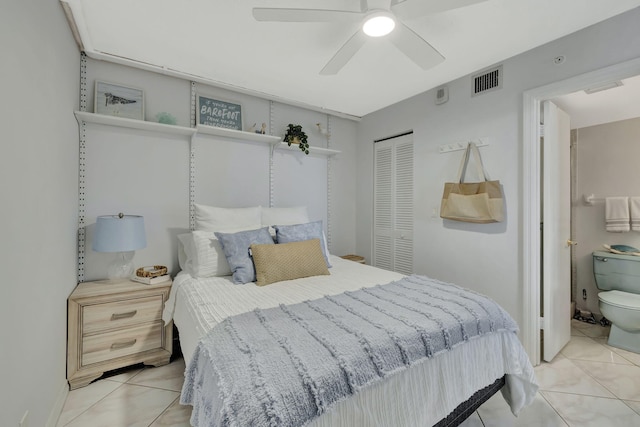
(322,130)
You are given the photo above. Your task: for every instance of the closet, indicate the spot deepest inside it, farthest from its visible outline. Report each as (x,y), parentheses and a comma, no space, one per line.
(393,204)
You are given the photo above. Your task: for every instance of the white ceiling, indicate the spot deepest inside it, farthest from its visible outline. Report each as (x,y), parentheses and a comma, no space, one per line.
(612,105)
(220,42)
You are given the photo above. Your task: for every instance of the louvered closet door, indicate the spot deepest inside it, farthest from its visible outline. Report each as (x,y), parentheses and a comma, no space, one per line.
(393,204)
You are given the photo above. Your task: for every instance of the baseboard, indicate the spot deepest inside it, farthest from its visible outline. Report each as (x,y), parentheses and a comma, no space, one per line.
(56,410)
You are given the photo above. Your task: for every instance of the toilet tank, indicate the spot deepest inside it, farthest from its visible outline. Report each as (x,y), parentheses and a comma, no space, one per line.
(616,272)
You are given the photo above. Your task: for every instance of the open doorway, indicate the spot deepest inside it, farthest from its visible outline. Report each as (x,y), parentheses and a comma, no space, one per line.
(604,149)
(532,245)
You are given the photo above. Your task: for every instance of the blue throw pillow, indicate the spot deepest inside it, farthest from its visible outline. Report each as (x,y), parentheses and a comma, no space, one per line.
(300,232)
(236,249)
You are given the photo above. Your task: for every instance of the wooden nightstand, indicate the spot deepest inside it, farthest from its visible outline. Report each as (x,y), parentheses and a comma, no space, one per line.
(112,325)
(355,258)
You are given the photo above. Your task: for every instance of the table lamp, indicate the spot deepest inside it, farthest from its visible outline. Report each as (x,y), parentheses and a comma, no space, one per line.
(123,234)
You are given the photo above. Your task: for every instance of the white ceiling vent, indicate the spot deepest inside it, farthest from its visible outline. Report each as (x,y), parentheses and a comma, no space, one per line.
(486,81)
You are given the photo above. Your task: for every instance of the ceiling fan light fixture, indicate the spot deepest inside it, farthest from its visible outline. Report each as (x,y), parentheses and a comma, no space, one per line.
(378,24)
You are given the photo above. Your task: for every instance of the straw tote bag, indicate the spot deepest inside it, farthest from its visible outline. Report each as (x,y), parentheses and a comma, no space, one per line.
(479,202)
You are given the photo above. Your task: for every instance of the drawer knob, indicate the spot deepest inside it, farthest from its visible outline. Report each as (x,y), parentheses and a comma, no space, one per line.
(121,345)
(118,316)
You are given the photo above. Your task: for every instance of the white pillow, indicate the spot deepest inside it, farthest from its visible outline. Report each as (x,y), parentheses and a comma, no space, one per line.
(183,260)
(283,216)
(227,220)
(204,255)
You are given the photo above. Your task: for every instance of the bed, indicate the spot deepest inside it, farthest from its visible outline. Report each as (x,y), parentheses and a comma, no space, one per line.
(441,389)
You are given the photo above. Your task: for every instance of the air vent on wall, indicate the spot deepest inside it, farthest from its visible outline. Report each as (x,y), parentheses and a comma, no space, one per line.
(487,81)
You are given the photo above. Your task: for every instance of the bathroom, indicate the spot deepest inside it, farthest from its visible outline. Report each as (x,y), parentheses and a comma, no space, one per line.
(605,155)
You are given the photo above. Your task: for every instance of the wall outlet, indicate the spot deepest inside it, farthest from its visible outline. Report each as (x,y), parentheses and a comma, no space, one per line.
(24,422)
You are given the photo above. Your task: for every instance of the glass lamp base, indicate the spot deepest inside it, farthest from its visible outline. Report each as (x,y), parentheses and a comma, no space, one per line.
(121,268)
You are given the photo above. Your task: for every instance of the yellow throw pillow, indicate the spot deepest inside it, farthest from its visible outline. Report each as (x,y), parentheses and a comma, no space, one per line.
(288,261)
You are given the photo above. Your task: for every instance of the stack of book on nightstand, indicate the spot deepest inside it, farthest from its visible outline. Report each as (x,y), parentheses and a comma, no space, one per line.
(151,280)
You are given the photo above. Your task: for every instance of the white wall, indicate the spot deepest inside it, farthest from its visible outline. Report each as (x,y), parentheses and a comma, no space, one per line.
(607,165)
(38,189)
(147,173)
(487,257)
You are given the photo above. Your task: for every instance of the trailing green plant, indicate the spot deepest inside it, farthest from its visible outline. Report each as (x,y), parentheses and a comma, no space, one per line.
(295,135)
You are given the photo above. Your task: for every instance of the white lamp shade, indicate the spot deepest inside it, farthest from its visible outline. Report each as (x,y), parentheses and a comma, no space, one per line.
(119,233)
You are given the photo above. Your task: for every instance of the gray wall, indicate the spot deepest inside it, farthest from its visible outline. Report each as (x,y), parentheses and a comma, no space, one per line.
(486,258)
(607,165)
(38,189)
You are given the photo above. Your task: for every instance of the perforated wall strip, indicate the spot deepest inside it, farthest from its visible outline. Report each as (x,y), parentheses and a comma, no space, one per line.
(329,182)
(82,153)
(192,161)
(271,150)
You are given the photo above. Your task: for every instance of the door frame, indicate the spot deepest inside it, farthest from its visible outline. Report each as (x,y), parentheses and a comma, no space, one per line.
(531,189)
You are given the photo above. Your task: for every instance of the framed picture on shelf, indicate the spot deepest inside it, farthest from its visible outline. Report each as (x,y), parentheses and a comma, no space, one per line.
(116,100)
(218,113)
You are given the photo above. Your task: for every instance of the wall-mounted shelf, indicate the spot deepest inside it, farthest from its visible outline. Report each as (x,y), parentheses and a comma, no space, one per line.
(133,124)
(237,134)
(312,150)
(275,141)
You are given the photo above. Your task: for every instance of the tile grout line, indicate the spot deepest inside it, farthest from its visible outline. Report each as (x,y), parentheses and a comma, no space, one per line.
(593,377)
(554,408)
(629,406)
(90,406)
(613,349)
(165,410)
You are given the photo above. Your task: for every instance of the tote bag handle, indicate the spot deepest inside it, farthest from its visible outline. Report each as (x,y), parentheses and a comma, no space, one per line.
(465,159)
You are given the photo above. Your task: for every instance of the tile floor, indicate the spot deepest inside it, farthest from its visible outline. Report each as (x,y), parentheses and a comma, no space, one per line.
(588,384)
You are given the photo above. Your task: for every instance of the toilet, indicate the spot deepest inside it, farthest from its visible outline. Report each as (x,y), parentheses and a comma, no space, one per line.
(618,279)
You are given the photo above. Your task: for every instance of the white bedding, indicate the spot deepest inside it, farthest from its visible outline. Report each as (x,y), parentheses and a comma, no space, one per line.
(204,302)
(418,396)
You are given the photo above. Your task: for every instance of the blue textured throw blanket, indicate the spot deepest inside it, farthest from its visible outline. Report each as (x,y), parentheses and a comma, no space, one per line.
(286,365)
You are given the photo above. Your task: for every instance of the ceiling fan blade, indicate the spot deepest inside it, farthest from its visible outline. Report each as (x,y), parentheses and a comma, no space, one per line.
(415,47)
(304,15)
(345,53)
(416,8)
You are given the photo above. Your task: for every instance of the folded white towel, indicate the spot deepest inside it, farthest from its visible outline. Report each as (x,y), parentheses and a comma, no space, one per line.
(617,217)
(634,208)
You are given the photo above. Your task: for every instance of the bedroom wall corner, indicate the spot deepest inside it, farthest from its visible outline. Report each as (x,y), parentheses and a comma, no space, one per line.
(148,173)
(39,192)
(342,203)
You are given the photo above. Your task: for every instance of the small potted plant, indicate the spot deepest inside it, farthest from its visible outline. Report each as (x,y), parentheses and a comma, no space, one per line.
(295,135)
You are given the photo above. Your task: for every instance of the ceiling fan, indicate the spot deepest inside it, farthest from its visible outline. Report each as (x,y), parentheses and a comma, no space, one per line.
(379,18)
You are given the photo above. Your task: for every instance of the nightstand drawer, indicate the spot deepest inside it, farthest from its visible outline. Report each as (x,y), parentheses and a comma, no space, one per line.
(123,342)
(117,314)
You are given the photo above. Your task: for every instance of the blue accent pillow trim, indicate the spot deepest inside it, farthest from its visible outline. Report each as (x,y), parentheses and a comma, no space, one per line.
(300,232)
(236,249)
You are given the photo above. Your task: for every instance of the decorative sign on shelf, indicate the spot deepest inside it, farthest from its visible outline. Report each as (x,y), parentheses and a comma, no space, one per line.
(218,113)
